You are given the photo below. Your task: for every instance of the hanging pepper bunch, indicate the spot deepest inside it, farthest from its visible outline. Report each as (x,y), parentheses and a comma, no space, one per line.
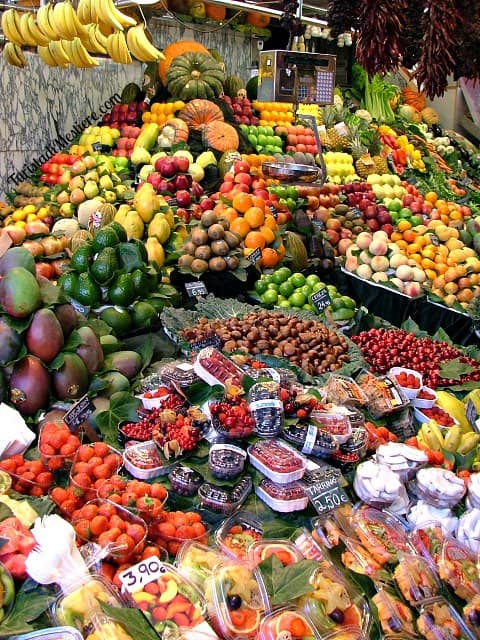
(289,19)
(342,16)
(468,39)
(412,34)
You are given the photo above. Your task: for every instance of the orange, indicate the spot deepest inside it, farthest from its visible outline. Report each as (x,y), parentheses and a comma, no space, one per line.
(404,225)
(417,257)
(240,226)
(219,208)
(242,201)
(431,197)
(255,217)
(267,234)
(281,251)
(270,222)
(254,240)
(270,258)
(396,236)
(413,248)
(259,202)
(409,235)
(402,244)
(282,218)
(229,213)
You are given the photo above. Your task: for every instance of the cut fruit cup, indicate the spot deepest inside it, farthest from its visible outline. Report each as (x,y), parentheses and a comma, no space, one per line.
(111,526)
(285,551)
(93,464)
(288,620)
(154,399)
(438,620)
(237,534)
(196,561)
(57,445)
(410,392)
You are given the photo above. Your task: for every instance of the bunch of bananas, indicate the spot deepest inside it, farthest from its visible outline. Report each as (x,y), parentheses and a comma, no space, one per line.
(455,407)
(64,36)
(454,441)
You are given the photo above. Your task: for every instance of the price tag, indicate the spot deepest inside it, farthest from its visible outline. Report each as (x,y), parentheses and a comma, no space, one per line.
(321,299)
(80,308)
(326,495)
(471,414)
(318,223)
(194,289)
(435,240)
(143,572)
(254,256)
(79,413)
(212,341)
(97,147)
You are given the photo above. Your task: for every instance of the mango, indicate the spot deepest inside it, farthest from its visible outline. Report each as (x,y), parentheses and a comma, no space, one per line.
(159,227)
(128,363)
(20,293)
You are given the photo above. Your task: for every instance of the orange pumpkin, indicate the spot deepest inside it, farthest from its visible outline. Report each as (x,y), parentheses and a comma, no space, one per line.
(215,11)
(258,19)
(199,112)
(220,136)
(175,49)
(181,129)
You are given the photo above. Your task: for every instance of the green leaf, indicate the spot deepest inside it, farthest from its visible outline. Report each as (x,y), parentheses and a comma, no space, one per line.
(132,620)
(30,602)
(5,512)
(18,324)
(199,392)
(442,336)
(454,369)
(123,407)
(73,341)
(99,327)
(57,362)
(412,326)
(51,294)
(287,583)
(146,350)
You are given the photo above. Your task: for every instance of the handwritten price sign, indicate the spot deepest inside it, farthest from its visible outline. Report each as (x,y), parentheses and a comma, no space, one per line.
(143,572)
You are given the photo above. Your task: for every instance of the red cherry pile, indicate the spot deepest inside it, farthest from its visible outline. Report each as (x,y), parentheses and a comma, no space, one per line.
(439,415)
(232,417)
(182,431)
(143,429)
(408,380)
(242,110)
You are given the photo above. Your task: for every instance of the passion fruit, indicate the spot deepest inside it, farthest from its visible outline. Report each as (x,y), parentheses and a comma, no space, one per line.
(217,264)
(216,232)
(220,248)
(199,266)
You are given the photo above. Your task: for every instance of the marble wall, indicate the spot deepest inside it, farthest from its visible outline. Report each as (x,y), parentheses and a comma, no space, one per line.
(39,104)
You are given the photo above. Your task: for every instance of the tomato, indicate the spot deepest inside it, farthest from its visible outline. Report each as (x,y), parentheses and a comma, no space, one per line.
(51,179)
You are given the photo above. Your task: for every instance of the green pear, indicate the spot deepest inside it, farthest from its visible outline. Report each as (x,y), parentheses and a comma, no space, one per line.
(92,175)
(110,196)
(106,182)
(91,189)
(67,210)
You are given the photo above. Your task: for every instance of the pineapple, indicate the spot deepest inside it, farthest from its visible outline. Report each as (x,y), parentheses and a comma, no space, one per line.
(374,146)
(332,116)
(364,163)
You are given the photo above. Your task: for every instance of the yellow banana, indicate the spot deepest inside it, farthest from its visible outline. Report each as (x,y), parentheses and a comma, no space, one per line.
(100,38)
(84,11)
(431,438)
(60,21)
(59,54)
(452,439)
(37,34)
(24,29)
(474,397)
(81,53)
(123,18)
(46,57)
(73,20)
(122,49)
(455,407)
(45,22)
(14,55)
(9,27)
(468,442)
(105,15)
(140,46)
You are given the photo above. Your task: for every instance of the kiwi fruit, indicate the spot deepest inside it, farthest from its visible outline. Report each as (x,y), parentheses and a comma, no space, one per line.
(203,252)
(232,262)
(341,208)
(199,236)
(232,239)
(189,247)
(216,231)
(185,260)
(217,264)
(199,266)
(208,218)
(220,248)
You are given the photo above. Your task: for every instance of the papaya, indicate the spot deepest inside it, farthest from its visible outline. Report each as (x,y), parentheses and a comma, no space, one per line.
(156,252)
(44,337)
(20,293)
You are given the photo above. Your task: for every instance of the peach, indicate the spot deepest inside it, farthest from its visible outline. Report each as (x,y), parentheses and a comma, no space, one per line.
(397,260)
(404,272)
(343,246)
(412,289)
(363,239)
(364,271)
(378,247)
(379,263)
(398,283)
(365,257)
(419,275)
(380,276)
(351,263)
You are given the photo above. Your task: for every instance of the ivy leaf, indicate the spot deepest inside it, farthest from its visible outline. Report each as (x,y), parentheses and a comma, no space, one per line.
(57,362)
(442,336)
(286,583)
(199,392)
(31,601)
(123,407)
(132,620)
(146,350)
(51,294)
(454,369)
(99,327)
(73,341)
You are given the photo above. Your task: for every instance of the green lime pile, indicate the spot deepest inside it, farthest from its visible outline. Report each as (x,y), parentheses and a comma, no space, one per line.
(112,276)
(285,289)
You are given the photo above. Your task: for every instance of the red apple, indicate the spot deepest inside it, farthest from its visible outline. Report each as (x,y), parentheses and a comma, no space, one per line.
(373,224)
(181,182)
(183,214)
(182,163)
(166,166)
(196,190)
(184,199)
(206,204)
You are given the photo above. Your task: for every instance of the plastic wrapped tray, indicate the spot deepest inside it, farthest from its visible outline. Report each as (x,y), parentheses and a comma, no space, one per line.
(277,460)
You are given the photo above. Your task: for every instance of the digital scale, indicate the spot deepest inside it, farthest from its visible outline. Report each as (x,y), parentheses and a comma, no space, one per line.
(293,76)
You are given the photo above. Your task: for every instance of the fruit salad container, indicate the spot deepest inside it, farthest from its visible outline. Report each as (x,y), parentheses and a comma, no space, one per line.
(226,461)
(283,498)
(111,526)
(343,390)
(384,395)
(409,381)
(311,549)
(288,623)
(415,578)
(311,440)
(236,601)
(438,620)
(427,540)
(143,461)
(457,566)
(225,499)
(57,445)
(172,529)
(237,534)
(214,368)
(196,561)
(284,550)
(170,602)
(277,461)
(347,633)
(395,617)
(334,604)
(266,408)
(439,487)
(52,633)
(184,480)
(425,399)
(103,627)
(76,608)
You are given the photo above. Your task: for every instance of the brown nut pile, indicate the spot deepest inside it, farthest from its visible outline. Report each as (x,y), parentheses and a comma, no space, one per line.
(308,344)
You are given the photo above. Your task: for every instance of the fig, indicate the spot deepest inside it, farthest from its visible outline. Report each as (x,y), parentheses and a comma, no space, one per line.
(199,236)
(199,266)
(217,264)
(220,247)
(44,337)
(29,385)
(216,232)
(71,380)
(203,252)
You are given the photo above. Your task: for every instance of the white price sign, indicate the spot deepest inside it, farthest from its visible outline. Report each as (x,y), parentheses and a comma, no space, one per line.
(143,572)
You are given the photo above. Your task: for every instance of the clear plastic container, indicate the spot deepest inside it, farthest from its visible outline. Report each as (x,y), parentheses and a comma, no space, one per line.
(439,487)
(288,620)
(344,390)
(335,422)
(471,614)
(76,608)
(185,481)
(284,550)
(311,440)
(409,392)
(383,394)
(376,485)
(458,568)
(285,377)
(438,620)
(284,498)
(277,460)
(231,417)
(266,408)
(214,368)
(143,461)
(54,438)
(359,560)
(444,419)
(7,591)
(357,443)
(236,601)
(394,616)
(223,499)
(52,633)
(196,561)
(238,533)
(425,399)
(154,398)
(177,372)
(226,461)
(381,533)
(415,579)
(83,472)
(156,600)
(311,549)
(427,541)
(21,483)
(333,603)
(347,633)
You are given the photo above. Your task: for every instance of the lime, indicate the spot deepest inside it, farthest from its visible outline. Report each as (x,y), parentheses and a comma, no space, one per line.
(260,286)
(308,307)
(286,272)
(118,319)
(284,304)
(81,258)
(267,279)
(416,220)
(68,282)
(306,290)
(332,290)
(122,290)
(286,289)
(141,282)
(297,279)
(347,302)
(143,314)
(273,285)
(280,298)
(292,192)
(404,213)
(105,237)
(312,280)
(394,205)
(318,287)
(270,296)
(297,299)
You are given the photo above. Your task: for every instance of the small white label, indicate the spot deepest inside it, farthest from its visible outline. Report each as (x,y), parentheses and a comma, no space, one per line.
(266,404)
(341,129)
(143,572)
(310,439)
